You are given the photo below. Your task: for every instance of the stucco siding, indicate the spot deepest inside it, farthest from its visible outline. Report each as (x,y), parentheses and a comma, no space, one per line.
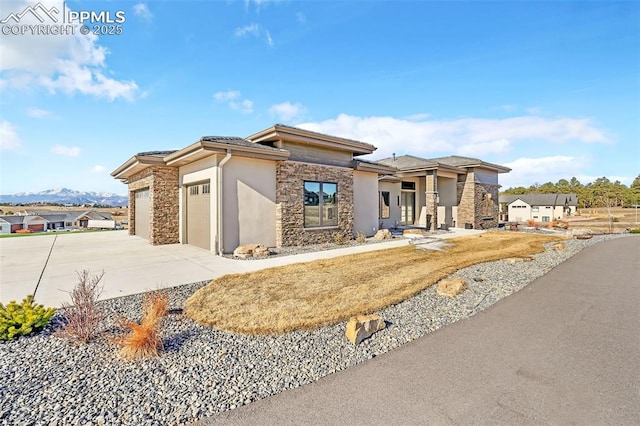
(317,155)
(393,188)
(249,196)
(365,203)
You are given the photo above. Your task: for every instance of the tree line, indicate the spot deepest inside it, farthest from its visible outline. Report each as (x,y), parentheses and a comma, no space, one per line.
(599,193)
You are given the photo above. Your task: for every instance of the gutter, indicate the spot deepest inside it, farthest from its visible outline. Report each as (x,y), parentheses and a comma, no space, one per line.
(219,188)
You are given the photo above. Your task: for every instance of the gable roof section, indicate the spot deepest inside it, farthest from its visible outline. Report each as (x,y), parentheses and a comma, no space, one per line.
(542,199)
(295,134)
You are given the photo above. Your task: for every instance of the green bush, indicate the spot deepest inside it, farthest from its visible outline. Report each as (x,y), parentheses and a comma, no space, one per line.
(635,231)
(23,319)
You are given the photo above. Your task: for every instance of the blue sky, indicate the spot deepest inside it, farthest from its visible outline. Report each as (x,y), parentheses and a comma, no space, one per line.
(550,89)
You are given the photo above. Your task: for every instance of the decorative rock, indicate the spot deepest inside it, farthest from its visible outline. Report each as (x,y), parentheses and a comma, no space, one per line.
(251,250)
(583,236)
(363,326)
(383,234)
(559,246)
(451,287)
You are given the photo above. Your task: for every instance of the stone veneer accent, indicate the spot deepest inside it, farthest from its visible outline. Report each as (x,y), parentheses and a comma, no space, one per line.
(470,202)
(163,203)
(290,177)
(431,200)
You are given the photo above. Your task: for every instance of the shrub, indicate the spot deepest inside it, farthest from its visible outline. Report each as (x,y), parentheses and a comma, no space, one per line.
(634,231)
(360,238)
(143,340)
(23,319)
(338,239)
(531,222)
(82,318)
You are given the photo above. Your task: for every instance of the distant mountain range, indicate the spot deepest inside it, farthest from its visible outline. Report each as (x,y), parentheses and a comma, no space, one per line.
(66,196)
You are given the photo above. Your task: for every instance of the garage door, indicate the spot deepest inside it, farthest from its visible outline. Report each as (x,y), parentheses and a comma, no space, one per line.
(36,228)
(198,215)
(142,213)
(15,228)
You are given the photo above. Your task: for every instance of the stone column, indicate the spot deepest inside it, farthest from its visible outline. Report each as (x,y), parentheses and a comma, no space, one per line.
(431,200)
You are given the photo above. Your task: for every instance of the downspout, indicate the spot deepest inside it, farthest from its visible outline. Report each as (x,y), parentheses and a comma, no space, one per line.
(219,188)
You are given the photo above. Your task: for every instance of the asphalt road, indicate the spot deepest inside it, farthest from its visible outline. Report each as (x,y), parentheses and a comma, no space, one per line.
(564,350)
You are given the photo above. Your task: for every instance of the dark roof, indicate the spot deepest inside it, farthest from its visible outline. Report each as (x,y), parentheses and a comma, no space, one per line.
(457,161)
(54,217)
(236,141)
(159,154)
(13,219)
(403,162)
(542,199)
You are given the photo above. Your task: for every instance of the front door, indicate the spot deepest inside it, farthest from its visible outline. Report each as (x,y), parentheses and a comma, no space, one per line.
(407,206)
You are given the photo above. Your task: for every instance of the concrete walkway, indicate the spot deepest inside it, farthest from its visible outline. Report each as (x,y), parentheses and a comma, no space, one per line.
(47,264)
(564,350)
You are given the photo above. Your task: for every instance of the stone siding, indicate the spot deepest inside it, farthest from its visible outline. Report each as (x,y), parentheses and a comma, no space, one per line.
(290,177)
(431,200)
(163,203)
(472,203)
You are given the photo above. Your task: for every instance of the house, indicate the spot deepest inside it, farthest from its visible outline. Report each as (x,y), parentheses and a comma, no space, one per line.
(286,186)
(537,207)
(44,220)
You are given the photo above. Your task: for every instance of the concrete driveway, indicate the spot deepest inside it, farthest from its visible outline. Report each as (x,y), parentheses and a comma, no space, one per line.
(46,264)
(564,350)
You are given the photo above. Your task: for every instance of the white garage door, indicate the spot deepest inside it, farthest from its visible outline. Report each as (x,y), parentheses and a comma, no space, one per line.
(198,215)
(142,213)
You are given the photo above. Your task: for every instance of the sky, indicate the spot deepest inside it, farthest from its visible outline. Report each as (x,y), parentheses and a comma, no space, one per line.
(550,89)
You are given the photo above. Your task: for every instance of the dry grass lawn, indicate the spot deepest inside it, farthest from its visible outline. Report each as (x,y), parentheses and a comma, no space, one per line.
(322,292)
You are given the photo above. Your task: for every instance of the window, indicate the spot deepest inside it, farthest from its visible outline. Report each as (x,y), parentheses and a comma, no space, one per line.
(194,190)
(384,204)
(205,188)
(535,208)
(411,186)
(320,204)
(546,219)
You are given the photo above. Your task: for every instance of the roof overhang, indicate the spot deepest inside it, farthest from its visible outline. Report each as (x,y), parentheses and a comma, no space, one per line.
(203,149)
(294,134)
(380,169)
(136,164)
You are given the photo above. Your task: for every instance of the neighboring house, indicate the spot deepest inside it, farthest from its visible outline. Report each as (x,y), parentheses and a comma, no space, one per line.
(43,220)
(287,186)
(537,207)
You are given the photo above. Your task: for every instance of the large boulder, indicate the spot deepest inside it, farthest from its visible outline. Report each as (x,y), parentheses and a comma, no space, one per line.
(251,250)
(363,326)
(451,287)
(383,234)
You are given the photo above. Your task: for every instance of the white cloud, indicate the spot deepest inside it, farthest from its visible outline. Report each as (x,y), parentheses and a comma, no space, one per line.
(38,113)
(73,63)
(98,169)
(142,10)
(287,111)
(247,30)
(233,98)
(465,136)
(9,139)
(269,38)
(67,151)
(527,171)
(226,96)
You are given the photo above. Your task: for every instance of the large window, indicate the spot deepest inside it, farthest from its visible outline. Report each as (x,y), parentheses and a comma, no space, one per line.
(320,204)
(384,204)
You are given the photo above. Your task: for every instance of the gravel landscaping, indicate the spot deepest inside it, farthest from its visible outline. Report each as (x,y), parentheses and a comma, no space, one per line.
(203,371)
